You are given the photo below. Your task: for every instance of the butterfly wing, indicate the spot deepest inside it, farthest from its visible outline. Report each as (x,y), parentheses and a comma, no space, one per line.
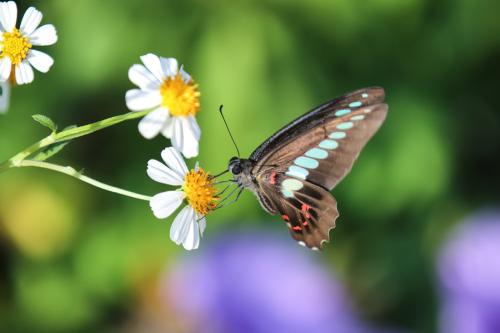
(322,145)
(309,215)
(297,166)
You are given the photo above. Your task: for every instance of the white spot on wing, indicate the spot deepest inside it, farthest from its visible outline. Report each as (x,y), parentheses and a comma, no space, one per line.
(358,117)
(291,184)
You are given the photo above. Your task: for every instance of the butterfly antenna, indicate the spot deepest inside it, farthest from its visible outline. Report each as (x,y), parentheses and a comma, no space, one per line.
(229,131)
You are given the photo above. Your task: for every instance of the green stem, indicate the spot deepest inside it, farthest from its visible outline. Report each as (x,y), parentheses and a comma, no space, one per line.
(77,132)
(70,134)
(19,160)
(67,170)
(31,149)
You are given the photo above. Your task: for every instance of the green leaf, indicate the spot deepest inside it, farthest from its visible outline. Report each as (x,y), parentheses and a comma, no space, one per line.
(45,121)
(50,151)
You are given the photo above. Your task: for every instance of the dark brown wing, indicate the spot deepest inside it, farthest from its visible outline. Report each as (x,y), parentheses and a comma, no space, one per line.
(321,146)
(309,213)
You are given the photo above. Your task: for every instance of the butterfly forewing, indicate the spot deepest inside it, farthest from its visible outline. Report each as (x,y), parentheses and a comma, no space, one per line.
(367,96)
(324,153)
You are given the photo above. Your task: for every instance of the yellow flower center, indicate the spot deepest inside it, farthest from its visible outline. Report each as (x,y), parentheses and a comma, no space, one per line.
(15,46)
(200,191)
(181,98)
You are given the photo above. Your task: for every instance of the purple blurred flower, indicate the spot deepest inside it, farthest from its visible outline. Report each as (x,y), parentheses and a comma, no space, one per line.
(258,283)
(469,270)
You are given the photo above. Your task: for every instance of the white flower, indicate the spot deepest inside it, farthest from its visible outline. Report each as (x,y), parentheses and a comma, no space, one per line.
(17,56)
(196,189)
(174,98)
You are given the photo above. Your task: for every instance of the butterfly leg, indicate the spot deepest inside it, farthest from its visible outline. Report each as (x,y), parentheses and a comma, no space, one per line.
(224,190)
(232,201)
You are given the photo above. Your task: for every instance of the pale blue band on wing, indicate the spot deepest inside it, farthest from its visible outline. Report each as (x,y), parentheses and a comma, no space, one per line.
(317,153)
(329,144)
(355,104)
(337,135)
(342,112)
(306,162)
(345,126)
(298,172)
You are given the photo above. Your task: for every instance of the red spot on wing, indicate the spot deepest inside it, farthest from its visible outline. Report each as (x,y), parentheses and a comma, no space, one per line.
(305,223)
(296,228)
(285,218)
(305,210)
(272,178)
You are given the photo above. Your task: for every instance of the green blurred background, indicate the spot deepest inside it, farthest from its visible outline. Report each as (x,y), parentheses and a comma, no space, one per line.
(77,259)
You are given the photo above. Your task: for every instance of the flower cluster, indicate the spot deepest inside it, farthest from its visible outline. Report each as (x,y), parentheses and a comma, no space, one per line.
(172,97)
(166,97)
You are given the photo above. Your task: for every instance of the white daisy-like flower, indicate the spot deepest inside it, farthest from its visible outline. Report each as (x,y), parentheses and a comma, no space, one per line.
(16,53)
(196,189)
(174,98)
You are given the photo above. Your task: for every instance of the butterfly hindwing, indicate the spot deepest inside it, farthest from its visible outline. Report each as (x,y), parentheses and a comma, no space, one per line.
(309,212)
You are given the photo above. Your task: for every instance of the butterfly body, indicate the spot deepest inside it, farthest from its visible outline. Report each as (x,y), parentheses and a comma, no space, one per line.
(293,171)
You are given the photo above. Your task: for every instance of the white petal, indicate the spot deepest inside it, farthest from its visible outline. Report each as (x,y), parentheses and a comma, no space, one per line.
(153,122)
(185,76)
(40,60)
(8,15)
(31,20)
(161,173)
(168,128)
(177,136)
(152,62)
(142,77)
(45,35)
(165,203)
(4,96)
(169,66)
(5,67)
(138,100)
(180,226)
(192,240)
(190,144)
(194,126)
(24,73)
(203,224)
(174,160)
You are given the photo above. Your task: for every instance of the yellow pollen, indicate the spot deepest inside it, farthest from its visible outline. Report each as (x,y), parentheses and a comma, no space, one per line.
(200,191)
(15,46)
(181,98)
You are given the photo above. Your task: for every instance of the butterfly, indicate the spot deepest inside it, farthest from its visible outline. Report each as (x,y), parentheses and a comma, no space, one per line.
(293,172)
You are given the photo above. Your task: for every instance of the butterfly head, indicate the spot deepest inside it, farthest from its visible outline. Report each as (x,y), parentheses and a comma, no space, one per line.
(235,165)
(241,169)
